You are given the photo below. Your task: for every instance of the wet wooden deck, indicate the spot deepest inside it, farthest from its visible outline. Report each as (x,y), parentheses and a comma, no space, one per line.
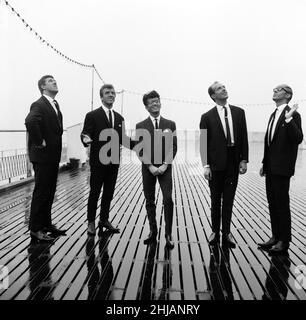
(120,266)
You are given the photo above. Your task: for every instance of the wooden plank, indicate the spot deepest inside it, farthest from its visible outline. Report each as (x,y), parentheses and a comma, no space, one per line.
(122,267)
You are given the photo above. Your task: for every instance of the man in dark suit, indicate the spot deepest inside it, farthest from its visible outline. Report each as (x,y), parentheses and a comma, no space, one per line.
(104,131)
(44,124)
(283,135)
(160,146)
(224,158)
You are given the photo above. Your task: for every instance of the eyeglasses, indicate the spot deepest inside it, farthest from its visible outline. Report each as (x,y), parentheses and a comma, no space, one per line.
(280,89)
(153,102)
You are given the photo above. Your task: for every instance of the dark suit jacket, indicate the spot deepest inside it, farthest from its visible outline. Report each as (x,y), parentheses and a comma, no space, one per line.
(95,122)
(43,123)
(281,155)
(216,140)
(168,130)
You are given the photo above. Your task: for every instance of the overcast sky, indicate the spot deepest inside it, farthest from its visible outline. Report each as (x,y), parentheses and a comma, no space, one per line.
(176,47)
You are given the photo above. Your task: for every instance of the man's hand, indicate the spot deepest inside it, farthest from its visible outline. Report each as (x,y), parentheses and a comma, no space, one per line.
(207,173)
(154,170)
(261,172)
(43,144)
(289,114)
(162,168)
(243,167)
(86,139)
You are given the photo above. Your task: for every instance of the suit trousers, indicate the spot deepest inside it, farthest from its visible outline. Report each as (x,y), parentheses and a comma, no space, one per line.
(43,195)
(106,176)
(223,187)
(165,182)
(277,189)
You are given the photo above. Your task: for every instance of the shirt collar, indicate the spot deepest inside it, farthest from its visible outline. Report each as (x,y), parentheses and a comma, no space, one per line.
(106,109)
(281,107)
(220,108)
(153,119)
(49,98)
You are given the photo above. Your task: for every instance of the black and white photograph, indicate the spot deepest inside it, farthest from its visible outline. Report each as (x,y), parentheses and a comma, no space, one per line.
(153,153)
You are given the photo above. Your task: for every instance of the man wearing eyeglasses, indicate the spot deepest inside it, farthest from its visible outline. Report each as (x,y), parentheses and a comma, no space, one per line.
(283,135)
(158,137)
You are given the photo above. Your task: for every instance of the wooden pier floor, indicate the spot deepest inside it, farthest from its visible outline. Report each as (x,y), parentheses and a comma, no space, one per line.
(120,266)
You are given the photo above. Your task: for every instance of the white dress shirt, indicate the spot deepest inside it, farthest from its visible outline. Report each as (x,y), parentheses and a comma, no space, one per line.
(51,102)
(278,112)
(153,120)
(107,114)
(230,120)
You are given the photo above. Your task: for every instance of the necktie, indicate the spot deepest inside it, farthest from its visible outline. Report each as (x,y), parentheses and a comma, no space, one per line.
(271,127)
(110,117)
(56,106)
(156,123)
(58,113)
(228,133)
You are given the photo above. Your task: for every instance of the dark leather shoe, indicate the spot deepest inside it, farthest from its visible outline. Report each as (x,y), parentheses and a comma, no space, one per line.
(151,238)
(169,242)
(280,247)
(107,225)
(91,229)
(40,236)
(229,240)
(267,245)
(214,238)
(55,231)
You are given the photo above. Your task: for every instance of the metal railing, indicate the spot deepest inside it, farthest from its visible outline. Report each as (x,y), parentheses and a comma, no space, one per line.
(13,166)
(15,163)
(18,164)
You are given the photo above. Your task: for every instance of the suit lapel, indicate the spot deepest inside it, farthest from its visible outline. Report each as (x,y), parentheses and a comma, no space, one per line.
(235,122)
(118,123)
(218,120)
(116,120)
(269,122)
(162,124)
(105,118)
(266,135)
(149,125)
(279,121)
(51,110)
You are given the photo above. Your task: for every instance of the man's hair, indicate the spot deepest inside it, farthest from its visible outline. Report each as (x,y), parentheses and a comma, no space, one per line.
(211,90)
(105,86)
(42,81)
(150,95)
(287,89)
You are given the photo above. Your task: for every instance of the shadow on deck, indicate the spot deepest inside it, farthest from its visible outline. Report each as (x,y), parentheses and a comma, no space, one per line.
(120,266)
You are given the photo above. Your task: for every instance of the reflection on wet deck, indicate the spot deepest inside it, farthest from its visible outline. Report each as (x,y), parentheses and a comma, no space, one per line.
(120,266)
